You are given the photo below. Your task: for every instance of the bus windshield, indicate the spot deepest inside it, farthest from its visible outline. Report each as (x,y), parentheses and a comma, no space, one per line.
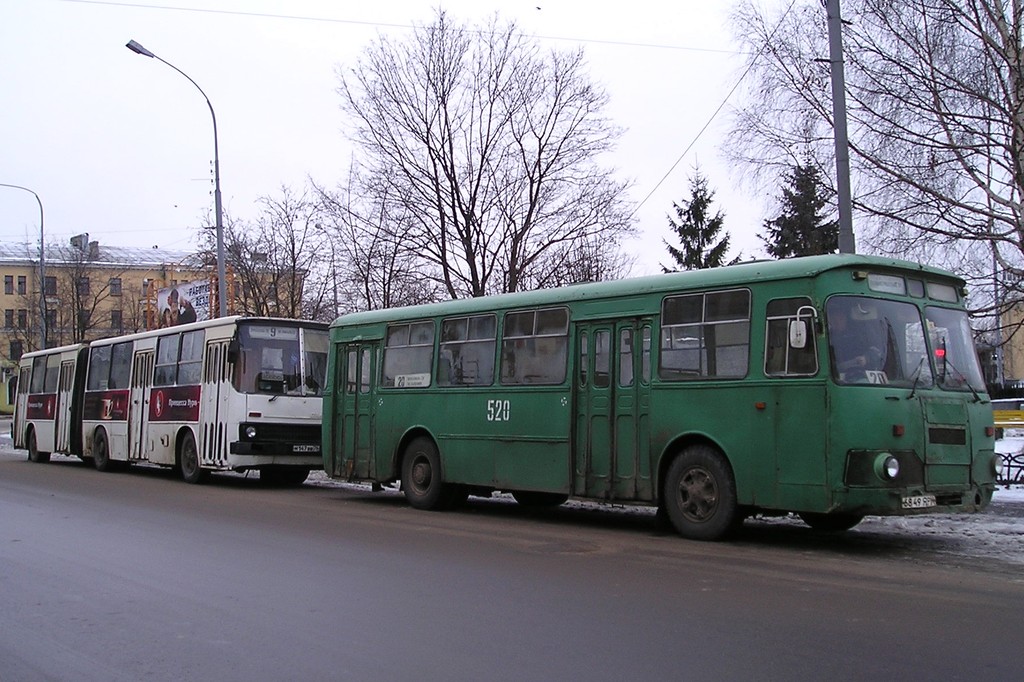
(281,360)
(956,364)
(875,341)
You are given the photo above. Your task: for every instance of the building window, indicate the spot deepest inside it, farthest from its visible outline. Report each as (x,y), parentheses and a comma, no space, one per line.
(16,350)
(9,318)
(115,286)
(22,318)
(115,320)
(83,286)
(9,284)
(51,319)
(51,286)
(22,285)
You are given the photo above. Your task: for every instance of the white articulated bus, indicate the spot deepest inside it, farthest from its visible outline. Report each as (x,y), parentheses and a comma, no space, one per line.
(232,393)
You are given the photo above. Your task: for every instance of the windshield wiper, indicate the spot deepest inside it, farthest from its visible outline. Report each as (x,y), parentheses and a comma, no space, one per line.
(917,376)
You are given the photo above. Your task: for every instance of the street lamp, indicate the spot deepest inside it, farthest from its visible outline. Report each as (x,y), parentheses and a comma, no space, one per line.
(221,277)
(42,267)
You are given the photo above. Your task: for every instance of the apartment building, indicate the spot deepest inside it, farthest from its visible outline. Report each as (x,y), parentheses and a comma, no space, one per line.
(90,291)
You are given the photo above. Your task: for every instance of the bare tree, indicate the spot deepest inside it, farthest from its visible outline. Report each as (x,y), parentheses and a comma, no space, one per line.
(370,268)
(276,260)
(481,152)
(79,308)
(935,94)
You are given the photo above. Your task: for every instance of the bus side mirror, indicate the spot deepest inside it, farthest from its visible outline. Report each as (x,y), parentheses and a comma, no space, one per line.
(233,348)
(797,334)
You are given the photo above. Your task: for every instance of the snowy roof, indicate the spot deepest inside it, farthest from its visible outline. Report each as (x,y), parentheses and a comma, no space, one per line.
(97,254)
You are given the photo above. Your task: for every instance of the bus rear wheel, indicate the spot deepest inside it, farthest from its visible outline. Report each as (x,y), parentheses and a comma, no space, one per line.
(188,459)
(699,494)
(33,450)
(831,523)
(422,481)
(101,452)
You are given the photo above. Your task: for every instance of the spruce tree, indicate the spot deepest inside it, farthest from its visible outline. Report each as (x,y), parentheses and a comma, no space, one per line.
(698,231)
(800,229)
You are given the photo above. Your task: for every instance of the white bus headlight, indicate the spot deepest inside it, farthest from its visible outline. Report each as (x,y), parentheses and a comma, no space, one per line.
(887,467)
(250,432)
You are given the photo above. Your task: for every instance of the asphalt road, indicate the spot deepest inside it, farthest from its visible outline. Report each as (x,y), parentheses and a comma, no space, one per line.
(138,576)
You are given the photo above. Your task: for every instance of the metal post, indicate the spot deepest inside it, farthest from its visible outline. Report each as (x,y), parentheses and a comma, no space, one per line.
(221,269)
(42,267)
(842,144)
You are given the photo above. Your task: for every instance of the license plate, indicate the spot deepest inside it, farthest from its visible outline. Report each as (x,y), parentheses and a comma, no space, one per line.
(919,502)
(305,448)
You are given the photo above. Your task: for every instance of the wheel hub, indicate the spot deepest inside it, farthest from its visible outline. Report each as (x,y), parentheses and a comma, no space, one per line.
(698,495)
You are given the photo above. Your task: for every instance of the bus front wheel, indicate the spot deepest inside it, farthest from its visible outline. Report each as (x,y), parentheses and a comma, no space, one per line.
(422,482)
(33,450)
(188,458)
(699,494)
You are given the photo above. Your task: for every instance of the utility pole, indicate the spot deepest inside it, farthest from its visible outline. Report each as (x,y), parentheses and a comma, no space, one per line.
(847,243)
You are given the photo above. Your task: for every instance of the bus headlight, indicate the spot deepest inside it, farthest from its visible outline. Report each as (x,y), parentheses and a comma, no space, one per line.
(887,467)
(997,465)
(250,432)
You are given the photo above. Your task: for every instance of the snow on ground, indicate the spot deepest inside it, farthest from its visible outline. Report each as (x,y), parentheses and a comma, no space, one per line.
(996,534)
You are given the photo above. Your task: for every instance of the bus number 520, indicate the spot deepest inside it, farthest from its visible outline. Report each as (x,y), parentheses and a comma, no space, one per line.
(497,410)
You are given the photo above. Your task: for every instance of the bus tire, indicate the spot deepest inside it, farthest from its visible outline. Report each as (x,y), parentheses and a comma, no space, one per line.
(188,460)
(699,494)
(831,523)
(532,498)
(101,452)
(33,449)
(422,482)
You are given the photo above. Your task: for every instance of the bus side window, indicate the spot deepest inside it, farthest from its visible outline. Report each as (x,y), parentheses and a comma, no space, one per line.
(99,368)
(167,360)
(38,374)
(350,379)
(52,373)
(781,358)
(705,336)
(364,375)
(120,365)
(408,355)
(535,347)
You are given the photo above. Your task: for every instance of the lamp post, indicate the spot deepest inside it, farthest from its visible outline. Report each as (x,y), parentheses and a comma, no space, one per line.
(42,267)
(221,277)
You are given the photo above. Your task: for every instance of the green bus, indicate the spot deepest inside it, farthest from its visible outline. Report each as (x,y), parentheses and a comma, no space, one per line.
(832,387)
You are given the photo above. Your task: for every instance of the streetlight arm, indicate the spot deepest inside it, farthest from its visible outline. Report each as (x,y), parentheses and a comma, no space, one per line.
(221,274)
(42,266)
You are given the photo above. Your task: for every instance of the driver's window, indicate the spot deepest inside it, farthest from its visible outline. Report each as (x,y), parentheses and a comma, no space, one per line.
(781,357)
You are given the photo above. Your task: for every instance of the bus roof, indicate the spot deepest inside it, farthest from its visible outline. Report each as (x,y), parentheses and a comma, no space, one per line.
(733,275)
(203,324)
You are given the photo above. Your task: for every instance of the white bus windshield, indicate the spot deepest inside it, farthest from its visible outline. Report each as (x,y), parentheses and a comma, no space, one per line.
(280,359)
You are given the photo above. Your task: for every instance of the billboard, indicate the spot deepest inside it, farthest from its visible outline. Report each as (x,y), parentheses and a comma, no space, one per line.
(183,303)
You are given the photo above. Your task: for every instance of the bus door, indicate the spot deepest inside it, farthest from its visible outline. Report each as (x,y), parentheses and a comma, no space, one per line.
(214,409)
(612,383)
(65,395)
(352,447)
(21,405)
(142,381)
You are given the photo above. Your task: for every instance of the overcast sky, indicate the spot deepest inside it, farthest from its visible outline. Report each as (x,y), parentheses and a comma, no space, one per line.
(121,146)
